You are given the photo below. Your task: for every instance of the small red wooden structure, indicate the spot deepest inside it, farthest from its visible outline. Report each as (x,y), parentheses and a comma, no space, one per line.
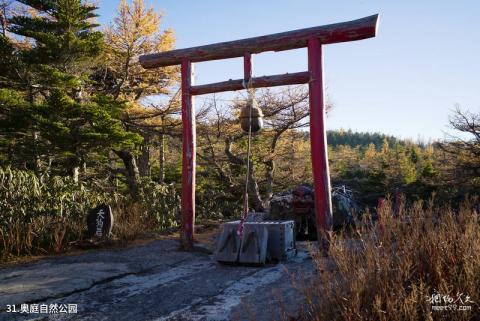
(313,39)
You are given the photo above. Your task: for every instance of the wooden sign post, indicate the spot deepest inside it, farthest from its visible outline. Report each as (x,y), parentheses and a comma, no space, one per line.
(312,38)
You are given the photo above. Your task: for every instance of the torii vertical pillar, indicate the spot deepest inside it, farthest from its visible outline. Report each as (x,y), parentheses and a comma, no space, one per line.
(188,156)
(318,142)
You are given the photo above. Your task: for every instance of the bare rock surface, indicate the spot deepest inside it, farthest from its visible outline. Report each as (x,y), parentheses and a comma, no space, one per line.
(153,282)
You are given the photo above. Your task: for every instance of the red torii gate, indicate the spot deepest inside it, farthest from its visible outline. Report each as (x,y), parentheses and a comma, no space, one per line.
(313,39)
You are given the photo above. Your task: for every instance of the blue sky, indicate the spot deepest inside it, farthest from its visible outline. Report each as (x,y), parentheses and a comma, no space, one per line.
(404,82)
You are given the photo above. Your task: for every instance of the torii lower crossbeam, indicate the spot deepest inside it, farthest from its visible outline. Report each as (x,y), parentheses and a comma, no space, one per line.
(313,39)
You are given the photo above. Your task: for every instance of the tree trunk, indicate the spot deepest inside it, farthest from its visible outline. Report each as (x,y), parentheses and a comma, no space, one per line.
(112,178)
(144,158)
(75,173)
(270,165)
(161,158)
(11,151)
(254,193)
(132,174)
(49,165)
(254,196)
(37,164)
(84,169)
(74,167)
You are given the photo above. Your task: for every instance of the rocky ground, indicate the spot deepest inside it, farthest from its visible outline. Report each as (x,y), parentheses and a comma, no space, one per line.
(152,281)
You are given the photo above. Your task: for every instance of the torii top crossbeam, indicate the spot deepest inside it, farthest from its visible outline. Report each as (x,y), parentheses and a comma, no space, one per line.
(338,32)
(313,39)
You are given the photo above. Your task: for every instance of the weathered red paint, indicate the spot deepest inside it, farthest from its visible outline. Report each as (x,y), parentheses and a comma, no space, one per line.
(247,66)
(339,32)
(318,139)
(256,82)
(188,156)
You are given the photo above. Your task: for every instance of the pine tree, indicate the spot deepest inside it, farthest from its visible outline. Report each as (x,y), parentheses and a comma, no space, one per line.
(59,46)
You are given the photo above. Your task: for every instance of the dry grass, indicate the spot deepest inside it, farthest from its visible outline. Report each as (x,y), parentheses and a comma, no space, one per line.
(387,271)
(130,222)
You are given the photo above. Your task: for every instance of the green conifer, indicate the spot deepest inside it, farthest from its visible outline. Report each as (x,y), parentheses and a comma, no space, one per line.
(55,47)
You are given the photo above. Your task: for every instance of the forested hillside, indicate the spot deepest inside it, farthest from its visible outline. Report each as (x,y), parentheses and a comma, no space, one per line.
(342,137)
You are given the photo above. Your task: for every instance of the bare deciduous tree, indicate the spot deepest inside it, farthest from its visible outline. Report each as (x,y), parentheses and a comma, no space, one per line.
(222,143)
(464,146)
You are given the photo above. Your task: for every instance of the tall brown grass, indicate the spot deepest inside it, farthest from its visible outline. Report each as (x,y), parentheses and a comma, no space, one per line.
(390,270)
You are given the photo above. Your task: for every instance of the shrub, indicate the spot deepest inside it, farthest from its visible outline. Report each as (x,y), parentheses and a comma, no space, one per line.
(214,204)
(40,215)
(160,204)
(43,215)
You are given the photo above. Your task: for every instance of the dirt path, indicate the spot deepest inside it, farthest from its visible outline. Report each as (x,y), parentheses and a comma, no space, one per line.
(152,282)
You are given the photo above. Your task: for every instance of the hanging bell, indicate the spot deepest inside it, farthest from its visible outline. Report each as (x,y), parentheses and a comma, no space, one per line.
(251,109)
